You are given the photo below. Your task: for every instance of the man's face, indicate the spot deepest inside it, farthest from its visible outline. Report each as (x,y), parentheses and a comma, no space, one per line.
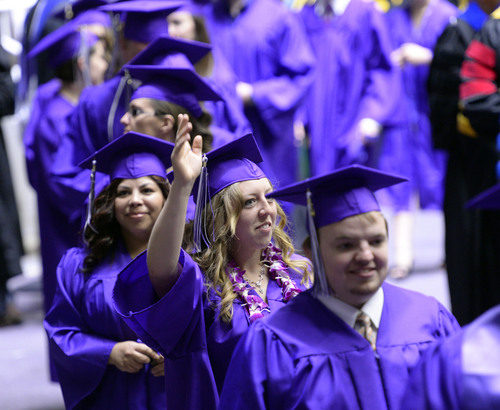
(355,254)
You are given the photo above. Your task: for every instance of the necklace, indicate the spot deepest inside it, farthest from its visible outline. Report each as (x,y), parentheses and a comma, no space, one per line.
(257,284)
(253,303)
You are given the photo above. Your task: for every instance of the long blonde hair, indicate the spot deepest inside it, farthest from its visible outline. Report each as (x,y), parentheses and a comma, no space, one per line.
(222,216)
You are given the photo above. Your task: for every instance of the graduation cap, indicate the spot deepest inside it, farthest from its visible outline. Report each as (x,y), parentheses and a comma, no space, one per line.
(86,11)
(181,86)
(144,20)
(64,44)
(333,197)
(230,163)
(165,69)
(192,7)
(131,156)
(164,46)
(488,199)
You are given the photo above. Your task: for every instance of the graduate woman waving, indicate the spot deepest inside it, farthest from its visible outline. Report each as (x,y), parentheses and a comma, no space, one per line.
(193,304)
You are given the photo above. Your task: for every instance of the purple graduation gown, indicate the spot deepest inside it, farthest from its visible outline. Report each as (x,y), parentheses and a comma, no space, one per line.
(185,328)
(82,327)
(462,372)
(423,165)
(351,82)
(228,119)
(305,356)
(42,136)
(86,133)
(266,47)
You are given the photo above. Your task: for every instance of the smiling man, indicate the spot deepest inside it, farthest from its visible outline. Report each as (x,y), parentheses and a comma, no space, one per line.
(352,340)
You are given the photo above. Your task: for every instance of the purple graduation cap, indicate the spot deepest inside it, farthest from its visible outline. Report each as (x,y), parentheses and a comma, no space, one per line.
(163,47)
(165,69)
(233,162)
(144,20)
(63,44)
(193,7)
(133,155)
(181,86)
(488,199)
(86,11)
(332,197)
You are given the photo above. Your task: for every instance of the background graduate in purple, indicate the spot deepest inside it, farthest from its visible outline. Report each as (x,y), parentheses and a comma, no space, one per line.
(99,362)
(241,266)
(168,88)
(351,340)
(462,372)
(96,119)
(414,29)
(349,101)
(79,58)
(266,46)
(188,23)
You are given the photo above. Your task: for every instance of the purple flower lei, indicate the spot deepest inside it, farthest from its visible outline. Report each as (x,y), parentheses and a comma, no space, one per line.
(255,306)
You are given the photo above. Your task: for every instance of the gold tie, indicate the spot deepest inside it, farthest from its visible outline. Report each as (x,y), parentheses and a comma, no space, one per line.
(328,13)
(363,326)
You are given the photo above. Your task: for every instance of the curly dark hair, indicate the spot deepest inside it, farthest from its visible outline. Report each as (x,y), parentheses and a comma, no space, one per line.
(104,234)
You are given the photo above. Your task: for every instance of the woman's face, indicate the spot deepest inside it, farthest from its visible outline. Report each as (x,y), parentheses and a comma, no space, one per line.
(141,118)
(257,220)
(138,203)
(181,24)
(98,63)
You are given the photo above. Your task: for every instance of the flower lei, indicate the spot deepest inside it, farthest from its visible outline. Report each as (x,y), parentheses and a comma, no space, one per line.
(255,306)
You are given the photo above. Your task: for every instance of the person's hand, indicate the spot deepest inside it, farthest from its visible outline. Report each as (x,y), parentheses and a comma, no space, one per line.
(158,367)
(245,92)
(186,160)
(411,53)
(368,130)
(130,356)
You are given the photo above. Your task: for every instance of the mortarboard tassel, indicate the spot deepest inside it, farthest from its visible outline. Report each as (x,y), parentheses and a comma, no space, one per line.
(320,286)
(200,203)
(85,52)
(126,79)
(90,205)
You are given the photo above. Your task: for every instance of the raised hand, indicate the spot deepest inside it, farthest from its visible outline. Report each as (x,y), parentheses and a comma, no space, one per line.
(186,159)
(168,231)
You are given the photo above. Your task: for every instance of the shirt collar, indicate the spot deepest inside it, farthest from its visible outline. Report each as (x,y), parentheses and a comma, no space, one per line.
(338,7)
(373,308)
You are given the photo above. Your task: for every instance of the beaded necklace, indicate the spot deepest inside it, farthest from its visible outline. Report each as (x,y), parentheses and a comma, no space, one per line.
(255,306)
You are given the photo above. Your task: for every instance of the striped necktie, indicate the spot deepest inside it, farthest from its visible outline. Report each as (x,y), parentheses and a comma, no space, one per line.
(363,326)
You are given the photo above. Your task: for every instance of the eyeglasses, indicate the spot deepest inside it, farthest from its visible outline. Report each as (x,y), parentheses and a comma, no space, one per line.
(134,112)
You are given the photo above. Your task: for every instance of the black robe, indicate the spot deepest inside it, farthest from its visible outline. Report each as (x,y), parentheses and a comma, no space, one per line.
(472,247)
(10,232)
